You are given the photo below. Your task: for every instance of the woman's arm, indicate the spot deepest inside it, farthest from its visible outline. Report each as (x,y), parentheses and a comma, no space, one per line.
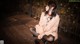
(39,27)
(41,18)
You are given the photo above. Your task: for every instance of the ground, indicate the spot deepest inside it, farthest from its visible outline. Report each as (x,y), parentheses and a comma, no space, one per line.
(15,30)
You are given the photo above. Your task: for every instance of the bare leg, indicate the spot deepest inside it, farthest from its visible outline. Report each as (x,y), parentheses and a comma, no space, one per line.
(48,39)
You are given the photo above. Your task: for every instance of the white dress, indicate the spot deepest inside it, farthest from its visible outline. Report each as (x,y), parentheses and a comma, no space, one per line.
(47,26)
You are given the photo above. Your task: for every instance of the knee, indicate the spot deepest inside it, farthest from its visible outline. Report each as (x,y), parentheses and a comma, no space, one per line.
(50,38)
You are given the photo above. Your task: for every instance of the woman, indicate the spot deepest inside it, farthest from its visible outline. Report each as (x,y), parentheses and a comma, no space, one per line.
(47,29)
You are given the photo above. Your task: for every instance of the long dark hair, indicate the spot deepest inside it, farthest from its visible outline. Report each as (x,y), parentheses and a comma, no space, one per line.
(52,4)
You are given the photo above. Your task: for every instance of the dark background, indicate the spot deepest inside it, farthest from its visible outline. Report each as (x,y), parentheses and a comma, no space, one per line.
(69,13)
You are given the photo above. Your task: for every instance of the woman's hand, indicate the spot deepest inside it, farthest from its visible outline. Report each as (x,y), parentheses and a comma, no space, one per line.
(40,36)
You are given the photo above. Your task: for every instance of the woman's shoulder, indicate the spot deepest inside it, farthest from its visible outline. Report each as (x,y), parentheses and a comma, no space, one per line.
(43,12)
(57,16)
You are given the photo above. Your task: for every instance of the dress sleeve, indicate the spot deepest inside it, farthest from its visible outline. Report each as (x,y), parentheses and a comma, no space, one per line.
(39,28)
(41,18)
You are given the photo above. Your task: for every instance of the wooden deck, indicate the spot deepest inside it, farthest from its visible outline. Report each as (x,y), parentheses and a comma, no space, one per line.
(15,30)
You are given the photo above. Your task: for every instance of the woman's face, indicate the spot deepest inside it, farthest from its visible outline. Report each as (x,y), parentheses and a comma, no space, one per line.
(50,10)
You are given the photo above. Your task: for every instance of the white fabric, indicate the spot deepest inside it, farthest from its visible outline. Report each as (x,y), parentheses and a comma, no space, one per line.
(47,28)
